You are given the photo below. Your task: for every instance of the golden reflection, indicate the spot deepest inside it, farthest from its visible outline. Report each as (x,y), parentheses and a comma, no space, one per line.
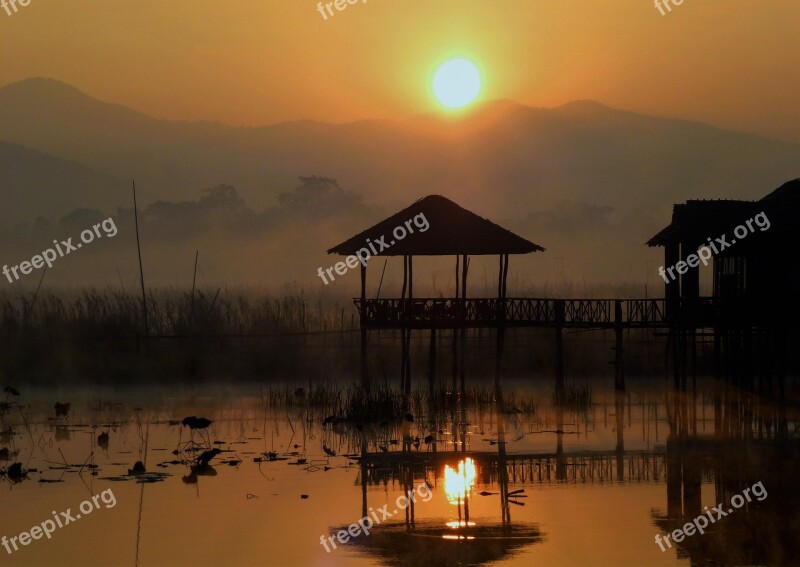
(460,524)
(459,483)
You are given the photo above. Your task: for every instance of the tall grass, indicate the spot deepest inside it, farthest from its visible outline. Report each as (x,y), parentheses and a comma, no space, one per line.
(108,313)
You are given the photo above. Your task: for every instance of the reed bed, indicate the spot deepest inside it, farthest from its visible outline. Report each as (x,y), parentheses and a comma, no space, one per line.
(110,313)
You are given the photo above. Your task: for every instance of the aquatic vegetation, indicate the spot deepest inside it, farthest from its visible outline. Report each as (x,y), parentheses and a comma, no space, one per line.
(138,469)
(15,473)
(205,457)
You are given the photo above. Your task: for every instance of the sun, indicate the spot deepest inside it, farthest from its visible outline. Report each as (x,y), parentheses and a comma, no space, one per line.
(456,83)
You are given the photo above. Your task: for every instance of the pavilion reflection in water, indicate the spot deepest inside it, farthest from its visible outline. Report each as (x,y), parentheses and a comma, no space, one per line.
(745,439)
(754,440)
(456,540)
(751,439)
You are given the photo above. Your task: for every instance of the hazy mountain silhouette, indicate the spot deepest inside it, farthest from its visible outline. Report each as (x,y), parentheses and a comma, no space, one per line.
(34,184)
(503,158)
(588,182)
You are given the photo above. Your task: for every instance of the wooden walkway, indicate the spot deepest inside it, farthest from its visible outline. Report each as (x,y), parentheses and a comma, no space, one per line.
(431,313)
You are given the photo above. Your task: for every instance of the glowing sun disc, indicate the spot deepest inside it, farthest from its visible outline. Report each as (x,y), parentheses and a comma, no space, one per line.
(456,83)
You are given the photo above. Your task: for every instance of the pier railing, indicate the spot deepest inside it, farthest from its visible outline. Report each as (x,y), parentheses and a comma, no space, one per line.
(542,312)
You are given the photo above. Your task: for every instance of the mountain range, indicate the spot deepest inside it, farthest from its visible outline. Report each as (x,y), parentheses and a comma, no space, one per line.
(582,173)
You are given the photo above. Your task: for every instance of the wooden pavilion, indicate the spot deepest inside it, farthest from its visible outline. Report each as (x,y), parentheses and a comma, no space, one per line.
(452,231)
(755,298)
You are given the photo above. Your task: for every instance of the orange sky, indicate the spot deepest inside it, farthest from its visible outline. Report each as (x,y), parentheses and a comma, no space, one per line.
(731,63)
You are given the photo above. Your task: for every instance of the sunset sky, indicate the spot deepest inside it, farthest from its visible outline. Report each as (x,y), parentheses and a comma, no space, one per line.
(731,63)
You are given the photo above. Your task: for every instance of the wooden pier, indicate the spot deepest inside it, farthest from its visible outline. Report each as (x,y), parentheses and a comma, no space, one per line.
(753,306)
(448,313)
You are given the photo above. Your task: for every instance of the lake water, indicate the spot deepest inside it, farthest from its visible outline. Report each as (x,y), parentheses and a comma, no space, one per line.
(534,483)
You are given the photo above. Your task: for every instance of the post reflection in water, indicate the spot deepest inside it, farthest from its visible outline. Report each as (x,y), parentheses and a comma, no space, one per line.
(632,461)
(453,471)
(720,438)
(458,485)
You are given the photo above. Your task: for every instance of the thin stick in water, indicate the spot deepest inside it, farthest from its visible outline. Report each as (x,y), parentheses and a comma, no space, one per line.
(194,280)
(35,295)
(122,285)
(139,251)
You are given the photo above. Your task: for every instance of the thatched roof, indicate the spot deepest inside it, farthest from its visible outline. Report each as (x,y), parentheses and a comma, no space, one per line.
(453,230)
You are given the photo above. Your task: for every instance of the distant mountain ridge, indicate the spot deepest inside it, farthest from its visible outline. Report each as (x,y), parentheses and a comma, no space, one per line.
(502,158)
(34,184)
(588,182)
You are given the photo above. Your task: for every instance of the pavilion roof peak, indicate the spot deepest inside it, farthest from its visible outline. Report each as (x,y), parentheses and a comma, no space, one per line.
(436,226)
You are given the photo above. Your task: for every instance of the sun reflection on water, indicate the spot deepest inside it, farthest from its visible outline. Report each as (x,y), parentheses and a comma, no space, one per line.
(459,483)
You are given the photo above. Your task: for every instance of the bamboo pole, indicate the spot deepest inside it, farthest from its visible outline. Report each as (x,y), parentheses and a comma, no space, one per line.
(141,271)
(38,287)
(194,281)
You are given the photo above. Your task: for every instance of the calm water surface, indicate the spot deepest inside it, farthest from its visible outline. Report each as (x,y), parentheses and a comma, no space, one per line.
(534,484)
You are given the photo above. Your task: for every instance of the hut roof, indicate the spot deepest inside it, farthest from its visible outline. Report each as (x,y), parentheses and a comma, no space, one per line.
(787,194)
(452,230)
(697,220)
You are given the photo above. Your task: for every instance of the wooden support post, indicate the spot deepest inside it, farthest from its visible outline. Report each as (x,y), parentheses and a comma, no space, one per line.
(455,332)
(464,273)
(620,430)
(500,279)
(363,319)
(690,281)
(619,360)
(410,277)
(692,479)
(690,307)
(502,460)
(684,354)
(672,288)
(463,312)
(674,479)
(403,358)
(458,258)
(408,332)
(693,338)
(747,358)
(403,313)
(407,381)
(432,367)
(405,277)
(560,316)
(505,279)
(364,474)
(561,462)
(678,342)
(500,328)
